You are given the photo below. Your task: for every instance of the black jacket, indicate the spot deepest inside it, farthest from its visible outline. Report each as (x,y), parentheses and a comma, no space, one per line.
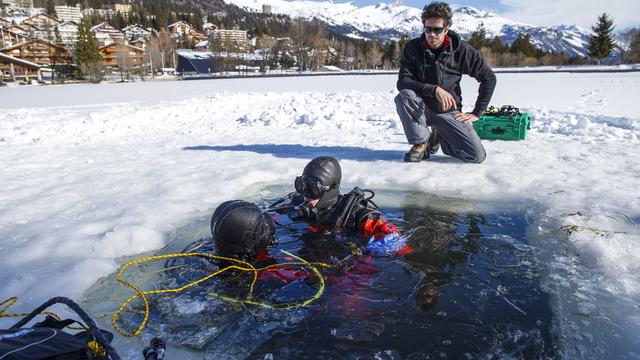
(421,71)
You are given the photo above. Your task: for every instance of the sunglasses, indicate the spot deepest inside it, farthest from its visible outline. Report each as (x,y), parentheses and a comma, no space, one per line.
(433,29)
(310,187)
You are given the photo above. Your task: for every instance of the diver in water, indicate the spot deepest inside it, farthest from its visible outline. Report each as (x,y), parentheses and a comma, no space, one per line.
(317,201)
(242,231)
(212,316)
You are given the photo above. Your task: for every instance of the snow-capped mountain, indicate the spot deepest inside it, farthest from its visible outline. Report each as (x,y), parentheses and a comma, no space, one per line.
(391,21)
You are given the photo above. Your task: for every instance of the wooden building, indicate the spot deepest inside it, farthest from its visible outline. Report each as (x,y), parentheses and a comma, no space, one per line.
(119,55)
(15,69)
(42,21)
(24,29)
(136,31)
(39,52)
(179,28)
(197,36)
(107,33)
(10,38)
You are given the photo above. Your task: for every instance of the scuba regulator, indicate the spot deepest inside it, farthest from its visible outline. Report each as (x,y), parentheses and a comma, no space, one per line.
(303,211)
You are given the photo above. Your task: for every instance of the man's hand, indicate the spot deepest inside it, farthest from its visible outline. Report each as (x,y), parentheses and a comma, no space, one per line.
(466,117)
(446,100)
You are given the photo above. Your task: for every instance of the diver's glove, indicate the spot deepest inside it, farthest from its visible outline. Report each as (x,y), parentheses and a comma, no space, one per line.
(390,244)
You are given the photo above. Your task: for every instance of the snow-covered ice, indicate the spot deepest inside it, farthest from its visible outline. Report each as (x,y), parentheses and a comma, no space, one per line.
(92,173)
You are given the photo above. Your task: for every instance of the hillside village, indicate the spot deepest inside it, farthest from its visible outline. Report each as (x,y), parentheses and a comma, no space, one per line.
(44,48)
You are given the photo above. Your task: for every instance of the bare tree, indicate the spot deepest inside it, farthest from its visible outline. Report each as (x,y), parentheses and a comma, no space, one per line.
(375,55)
(125,63)
(161,51)
(298,40)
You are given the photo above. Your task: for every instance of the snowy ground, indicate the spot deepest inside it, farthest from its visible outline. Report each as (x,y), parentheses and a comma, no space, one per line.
(91,173)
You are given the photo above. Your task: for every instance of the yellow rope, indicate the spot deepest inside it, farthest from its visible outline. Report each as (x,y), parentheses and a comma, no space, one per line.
(245,267)
(284,306)
(14,299)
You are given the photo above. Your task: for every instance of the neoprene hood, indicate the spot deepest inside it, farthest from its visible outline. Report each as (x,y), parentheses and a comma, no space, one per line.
(326,170)
(241,230)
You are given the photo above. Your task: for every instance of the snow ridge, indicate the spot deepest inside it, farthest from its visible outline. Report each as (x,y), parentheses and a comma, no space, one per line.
(392,21)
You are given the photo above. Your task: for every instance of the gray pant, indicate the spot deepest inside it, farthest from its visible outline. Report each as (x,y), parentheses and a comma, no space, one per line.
(457,139)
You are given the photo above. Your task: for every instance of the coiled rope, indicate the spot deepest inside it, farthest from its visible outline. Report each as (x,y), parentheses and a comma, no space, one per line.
(240,265)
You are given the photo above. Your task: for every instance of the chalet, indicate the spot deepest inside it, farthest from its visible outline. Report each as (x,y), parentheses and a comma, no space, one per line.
(9,38)
(209,28)
(42,21)
(107,33)
(117,55)
(39,52)
(133,32)
(14,69)
(179,28)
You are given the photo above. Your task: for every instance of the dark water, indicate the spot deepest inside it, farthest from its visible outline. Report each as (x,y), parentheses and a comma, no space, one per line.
(470,289)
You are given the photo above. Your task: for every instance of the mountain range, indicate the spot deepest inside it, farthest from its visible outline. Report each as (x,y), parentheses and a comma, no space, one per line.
(392,21)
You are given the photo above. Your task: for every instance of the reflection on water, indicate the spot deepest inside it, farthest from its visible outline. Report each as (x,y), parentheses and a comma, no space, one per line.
(470,289)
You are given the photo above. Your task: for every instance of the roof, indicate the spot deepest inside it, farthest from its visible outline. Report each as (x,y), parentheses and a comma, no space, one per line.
(32,41)
(195,54)
(231,30)
(69,23)
(134,26)
(41,14)
(178,23)
(121,44)
(4,21)
(104,25)
(200,65)
(24,27)
(6,30)
(331,68)
(20,61)
(203,43)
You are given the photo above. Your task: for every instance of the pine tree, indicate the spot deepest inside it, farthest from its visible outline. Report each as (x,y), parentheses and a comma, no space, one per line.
(87,57)
(51,10)
(522,45)
(196,21)
(55,59)
(497,46)
(601,42)
(478,38)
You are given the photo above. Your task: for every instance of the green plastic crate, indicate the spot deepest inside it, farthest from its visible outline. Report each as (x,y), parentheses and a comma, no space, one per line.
(503,127)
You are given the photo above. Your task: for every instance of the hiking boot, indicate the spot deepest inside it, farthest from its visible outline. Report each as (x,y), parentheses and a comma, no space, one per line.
(416,153)
(433,144)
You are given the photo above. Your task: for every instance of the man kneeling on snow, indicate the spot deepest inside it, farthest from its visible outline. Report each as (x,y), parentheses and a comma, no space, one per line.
(430,98)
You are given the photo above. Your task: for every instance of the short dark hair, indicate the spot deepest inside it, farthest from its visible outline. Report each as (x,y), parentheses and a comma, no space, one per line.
(438,9)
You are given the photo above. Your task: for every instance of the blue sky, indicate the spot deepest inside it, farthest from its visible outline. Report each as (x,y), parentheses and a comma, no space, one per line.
(626,13)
